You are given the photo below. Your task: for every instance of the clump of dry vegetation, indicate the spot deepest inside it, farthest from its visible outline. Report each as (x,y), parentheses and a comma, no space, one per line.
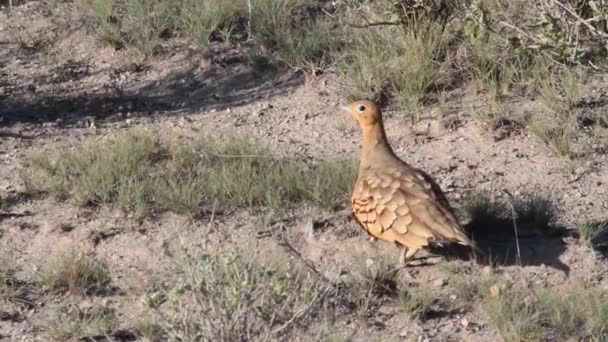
(373,281)
(530,213)
(70,322)
(76,273)
(418,301)
(530,314)
(228,295)
(595,234)
(139,169)
(287,31)
(523,314)
(8,287)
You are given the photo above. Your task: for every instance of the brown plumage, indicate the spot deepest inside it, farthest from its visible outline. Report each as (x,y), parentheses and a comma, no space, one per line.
(394,201)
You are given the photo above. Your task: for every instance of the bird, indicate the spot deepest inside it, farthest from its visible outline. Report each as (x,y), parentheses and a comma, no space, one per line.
(396,202)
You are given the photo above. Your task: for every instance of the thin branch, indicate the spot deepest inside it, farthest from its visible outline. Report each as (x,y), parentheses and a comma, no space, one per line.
(372,24)
(579,19)
(302,312)
(306,262)
(513,216)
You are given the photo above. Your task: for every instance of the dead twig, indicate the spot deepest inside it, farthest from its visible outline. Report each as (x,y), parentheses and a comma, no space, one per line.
(513,216)
(372,24)
(578,18)
(306,262)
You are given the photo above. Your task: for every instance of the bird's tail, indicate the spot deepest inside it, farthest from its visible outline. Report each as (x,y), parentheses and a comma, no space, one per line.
(464,240)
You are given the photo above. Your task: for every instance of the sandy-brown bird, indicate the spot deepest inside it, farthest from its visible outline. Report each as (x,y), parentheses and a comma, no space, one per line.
(394,201)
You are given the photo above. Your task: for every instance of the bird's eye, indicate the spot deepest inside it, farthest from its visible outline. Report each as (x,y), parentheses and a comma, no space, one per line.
(361,108)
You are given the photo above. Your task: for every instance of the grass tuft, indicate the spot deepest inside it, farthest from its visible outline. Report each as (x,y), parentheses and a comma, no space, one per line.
(417,301)
(525,315)
(227,296)
(75,273)
(403,72)
(595,234)
(69,322)
(492,216)
(373,281)
(137,170)
(9,287)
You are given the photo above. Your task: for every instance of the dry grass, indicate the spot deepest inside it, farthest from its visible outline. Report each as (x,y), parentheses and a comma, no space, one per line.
(595,234)
(527,315)
(76,273)
(9,289)
(137,170)
(288,28)
(403,72)
(418,301)
(372,281)
(228,295)
(499,49)
(70,322)
(532,211)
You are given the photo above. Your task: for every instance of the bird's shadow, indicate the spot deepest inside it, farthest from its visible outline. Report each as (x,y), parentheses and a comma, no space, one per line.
(497,247)
(526,235)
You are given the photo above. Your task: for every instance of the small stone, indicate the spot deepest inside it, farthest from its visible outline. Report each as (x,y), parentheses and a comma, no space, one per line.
(465,322)
(440,282)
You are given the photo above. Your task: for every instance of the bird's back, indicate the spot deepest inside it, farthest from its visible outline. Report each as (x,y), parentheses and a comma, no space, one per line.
(391,196)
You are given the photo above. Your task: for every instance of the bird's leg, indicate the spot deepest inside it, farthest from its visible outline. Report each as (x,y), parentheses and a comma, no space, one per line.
(372,239)
(407,254)
(402,256)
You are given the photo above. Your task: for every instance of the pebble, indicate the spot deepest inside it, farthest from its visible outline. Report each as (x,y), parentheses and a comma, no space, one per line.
(440,282)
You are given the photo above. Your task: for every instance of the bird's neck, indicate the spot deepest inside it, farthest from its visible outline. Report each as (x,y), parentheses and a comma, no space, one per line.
(375,145)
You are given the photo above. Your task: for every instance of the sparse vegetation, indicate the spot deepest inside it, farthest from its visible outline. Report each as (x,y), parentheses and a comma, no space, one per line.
(137,170)
(534,213)
(505,50)
(403,72)
(590,230)
(373,280)
(524,315)
(595,234)
(464,287)
(70,322)
(189,66)
(76,273)
(417,301)
(228,295)
(287,27)
(8,290)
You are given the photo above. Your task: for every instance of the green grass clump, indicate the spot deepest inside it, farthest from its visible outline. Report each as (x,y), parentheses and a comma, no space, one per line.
(417,301)
(526,315)
(494,216)
(287,28)
(403,72)
(137,170)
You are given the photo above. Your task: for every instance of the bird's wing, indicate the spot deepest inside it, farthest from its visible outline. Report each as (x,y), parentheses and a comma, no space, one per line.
(407,207)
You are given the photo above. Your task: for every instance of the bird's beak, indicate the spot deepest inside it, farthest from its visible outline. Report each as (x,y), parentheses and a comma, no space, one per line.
(345,109)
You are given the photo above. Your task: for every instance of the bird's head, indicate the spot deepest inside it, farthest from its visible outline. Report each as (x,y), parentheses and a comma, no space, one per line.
(365,112)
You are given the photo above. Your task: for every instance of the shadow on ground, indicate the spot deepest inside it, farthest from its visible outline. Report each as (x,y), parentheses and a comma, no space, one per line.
(58,96)
(497,241)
